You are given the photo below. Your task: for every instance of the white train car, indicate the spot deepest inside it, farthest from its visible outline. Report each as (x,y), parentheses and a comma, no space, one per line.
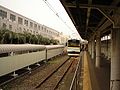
(15,57)
(19,56)
(53,50)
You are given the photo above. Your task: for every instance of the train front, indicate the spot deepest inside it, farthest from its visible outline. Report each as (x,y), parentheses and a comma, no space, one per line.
(73,47)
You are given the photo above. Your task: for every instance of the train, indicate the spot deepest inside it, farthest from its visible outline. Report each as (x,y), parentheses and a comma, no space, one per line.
(73,47)
(17,56)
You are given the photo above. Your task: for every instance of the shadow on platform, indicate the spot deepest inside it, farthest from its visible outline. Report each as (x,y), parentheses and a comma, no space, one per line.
(100,77)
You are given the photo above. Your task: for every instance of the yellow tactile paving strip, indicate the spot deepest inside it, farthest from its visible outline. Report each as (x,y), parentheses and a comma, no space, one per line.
(92,74)
(86,75)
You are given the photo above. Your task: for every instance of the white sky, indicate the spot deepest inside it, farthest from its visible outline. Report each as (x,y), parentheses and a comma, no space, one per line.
(38,11)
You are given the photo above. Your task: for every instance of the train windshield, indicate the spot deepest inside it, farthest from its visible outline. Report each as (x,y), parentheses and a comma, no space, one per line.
(73,43)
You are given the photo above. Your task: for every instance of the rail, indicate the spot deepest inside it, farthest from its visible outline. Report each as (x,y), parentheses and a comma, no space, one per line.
(76,78)
(52,74)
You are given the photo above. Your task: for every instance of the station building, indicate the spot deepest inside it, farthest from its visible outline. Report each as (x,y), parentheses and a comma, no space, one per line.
(19,24)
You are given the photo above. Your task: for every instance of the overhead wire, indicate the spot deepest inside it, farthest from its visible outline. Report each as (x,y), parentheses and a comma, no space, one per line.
(54,11)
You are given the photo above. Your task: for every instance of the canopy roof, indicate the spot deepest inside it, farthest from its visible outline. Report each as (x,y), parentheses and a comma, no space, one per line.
(88,16)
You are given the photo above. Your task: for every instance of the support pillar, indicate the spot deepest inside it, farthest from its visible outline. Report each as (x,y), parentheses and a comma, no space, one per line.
(104,45)
(89,48)
(115,60)
(93,48)
(98,50)
(107,41)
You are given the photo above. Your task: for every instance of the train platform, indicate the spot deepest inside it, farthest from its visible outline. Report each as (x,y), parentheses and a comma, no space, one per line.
(100,28)
(95,78)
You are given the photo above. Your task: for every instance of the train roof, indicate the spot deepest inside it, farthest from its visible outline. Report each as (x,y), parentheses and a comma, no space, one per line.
(6,48)
(54,46)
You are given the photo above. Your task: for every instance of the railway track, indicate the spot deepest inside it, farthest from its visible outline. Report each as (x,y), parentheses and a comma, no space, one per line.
(52,80)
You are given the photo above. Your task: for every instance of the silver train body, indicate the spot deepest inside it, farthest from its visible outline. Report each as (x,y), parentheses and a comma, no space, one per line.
(15,57)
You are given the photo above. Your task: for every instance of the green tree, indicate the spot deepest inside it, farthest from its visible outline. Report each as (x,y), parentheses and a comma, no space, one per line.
(9,37)
(39,37)
(2,31)
(28,37)
(16,38)
(34,39)
(22,38)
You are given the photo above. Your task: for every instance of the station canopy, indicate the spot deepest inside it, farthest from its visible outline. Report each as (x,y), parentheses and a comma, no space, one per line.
(89,16)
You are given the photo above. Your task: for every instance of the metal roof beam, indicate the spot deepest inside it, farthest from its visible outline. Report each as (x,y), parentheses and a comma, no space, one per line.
(103,27)
(72,5)
(107,23)
(92,29)
(106,15)
(88,14)
(115,2)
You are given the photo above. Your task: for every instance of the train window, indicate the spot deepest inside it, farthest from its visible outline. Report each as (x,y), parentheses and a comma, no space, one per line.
(73,43)
(4,54)
(20,52)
